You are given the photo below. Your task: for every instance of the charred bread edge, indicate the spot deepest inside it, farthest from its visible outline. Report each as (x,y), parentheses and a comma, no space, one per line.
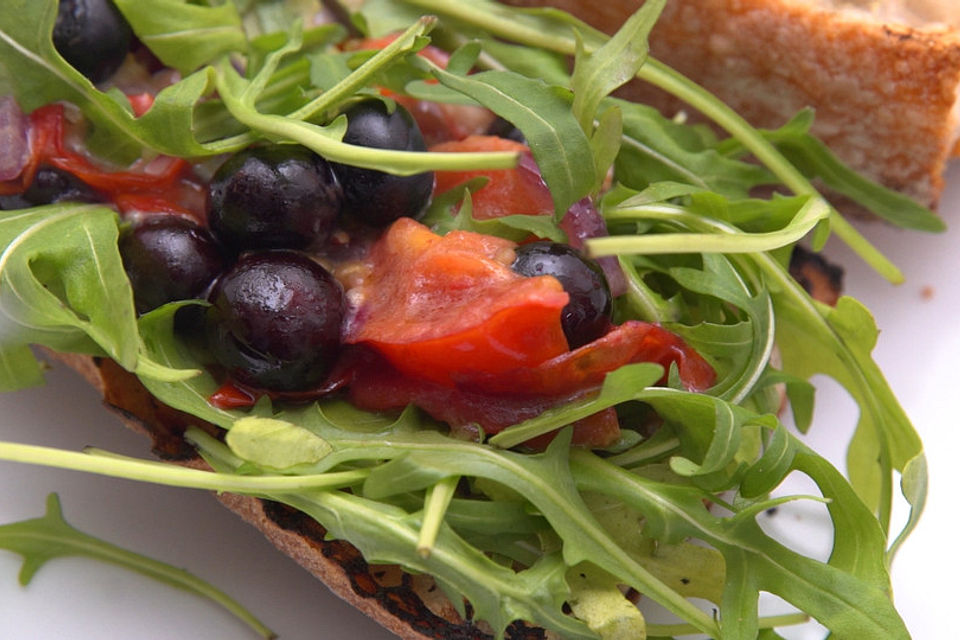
(411,606)
(886,95)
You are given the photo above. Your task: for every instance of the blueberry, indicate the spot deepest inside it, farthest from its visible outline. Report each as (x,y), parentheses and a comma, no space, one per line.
(275,321)
(280,196)
(92,36)
(51,185)
(504,129)
(374,197)
(588,314)
(169,258)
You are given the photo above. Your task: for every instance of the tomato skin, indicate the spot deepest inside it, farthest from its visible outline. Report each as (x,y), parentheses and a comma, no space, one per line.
(441,308)
(520,190)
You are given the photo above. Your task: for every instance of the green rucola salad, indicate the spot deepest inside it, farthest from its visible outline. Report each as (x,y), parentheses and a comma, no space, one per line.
(646,476)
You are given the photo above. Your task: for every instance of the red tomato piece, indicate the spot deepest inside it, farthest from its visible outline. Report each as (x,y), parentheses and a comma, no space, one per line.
(444,324)
(443,308)
(437,56)
(232,396)
(586,367)
(376,386)
(520,190)
(158,181)
(140,102)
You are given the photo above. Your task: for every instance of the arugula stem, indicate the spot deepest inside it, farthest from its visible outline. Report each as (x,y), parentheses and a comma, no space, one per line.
(483,15)
(363,75)
(53,532)
(171,475)
(733,241)
(173,576)
(399,162)
(663,77)
(435,506)
(640,454)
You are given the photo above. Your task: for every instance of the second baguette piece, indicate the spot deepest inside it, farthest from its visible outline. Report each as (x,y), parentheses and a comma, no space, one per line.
(885,90)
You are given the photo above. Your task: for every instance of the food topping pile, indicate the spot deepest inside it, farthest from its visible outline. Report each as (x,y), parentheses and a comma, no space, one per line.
(543,335)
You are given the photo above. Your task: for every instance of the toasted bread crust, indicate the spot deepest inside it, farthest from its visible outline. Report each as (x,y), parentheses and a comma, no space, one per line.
(885,95)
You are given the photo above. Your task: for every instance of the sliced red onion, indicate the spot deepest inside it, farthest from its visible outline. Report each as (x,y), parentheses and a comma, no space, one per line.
(14,142)
(583,221)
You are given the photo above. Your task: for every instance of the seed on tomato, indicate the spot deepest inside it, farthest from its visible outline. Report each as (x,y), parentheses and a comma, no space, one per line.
(374,197)
(169,258)
(280,196)
(274,321)
(588,314)
(93,36)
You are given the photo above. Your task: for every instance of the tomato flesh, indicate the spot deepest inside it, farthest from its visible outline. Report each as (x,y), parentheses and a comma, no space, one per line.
(443,323)
(445,308)
(520,190)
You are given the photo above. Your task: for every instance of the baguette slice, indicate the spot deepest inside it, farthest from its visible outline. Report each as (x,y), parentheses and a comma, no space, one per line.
(409,606)
(883,77)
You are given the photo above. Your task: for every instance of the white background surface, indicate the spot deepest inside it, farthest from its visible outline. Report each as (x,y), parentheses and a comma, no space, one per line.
(79,599)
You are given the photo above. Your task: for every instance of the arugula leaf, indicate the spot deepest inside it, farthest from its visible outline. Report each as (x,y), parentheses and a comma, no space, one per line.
(624,384)
(377,18)
(62,285)
(598,73)
(275,444)
(185,36)
(542,113)
(33,71)
(163,346)
(42,539)
(441,220)
(838,341)
(851,604)
(19,368)
(595,598)
(816,160)
(240,95)
(388,534)
(528,61)
(656,149)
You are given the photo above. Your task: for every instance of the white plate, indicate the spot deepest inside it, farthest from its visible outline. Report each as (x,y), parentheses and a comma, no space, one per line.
(82,599)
